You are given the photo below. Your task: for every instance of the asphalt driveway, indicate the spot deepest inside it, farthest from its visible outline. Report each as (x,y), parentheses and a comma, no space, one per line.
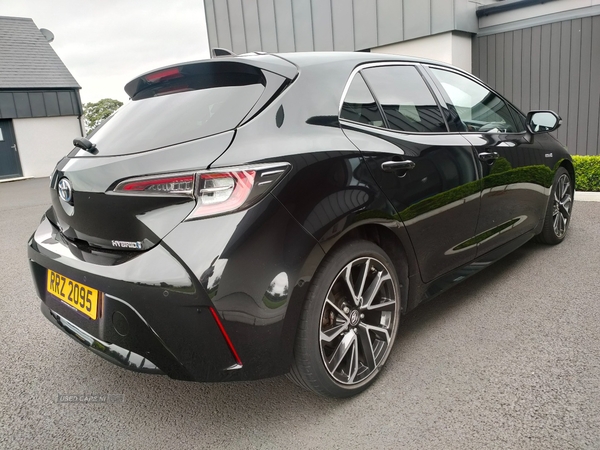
(508,359)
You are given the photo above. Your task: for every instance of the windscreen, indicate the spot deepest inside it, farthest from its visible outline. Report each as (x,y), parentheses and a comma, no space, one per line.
(184,107)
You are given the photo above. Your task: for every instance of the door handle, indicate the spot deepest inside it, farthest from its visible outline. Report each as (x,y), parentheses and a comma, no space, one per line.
(14,147)
(489,157)
(396,166)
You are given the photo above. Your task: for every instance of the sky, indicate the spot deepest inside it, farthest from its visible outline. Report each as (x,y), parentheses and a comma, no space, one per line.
(106,43)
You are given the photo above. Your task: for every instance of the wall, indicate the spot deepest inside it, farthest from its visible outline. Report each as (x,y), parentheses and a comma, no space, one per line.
(534,11)
(313,25)
(39,103)
(553,66)
(451,47)
(42,142)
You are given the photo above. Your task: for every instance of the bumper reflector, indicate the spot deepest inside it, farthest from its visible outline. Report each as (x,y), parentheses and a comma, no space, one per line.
(226,336)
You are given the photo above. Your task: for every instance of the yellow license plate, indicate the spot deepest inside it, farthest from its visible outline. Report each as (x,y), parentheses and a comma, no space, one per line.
(77,295)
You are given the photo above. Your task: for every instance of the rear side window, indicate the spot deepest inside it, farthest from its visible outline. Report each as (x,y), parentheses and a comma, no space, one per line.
(406,100)
(359,105)
(479,108)
(186,107)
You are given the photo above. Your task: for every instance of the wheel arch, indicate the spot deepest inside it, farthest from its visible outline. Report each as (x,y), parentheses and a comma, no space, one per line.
(568,165)
(392,239)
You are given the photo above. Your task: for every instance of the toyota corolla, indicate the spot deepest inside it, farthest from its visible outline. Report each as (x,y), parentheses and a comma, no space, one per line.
(251,216)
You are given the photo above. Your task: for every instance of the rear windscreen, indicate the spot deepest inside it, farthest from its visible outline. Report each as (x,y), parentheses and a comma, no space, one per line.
(185,107)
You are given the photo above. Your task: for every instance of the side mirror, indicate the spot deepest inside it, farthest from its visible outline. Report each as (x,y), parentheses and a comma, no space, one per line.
(542,121)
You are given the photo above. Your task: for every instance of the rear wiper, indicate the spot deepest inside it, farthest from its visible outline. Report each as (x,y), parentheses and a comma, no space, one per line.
(86,145)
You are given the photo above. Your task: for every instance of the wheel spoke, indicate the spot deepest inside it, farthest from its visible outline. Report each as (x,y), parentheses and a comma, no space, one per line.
(373,289)
(366,345)
(333,332)
(559,188)
(356,288)
(382,333)
(341,351)
(338,310)
(564,223)
(566,188)
(555,225)
(564,211)
(353,366)
(388,305)
(350,283)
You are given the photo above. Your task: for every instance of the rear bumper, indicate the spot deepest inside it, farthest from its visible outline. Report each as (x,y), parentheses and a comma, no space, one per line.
(162,317)
(113,353)
(161,310)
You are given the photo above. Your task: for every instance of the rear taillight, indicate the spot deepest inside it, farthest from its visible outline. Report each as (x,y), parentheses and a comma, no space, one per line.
(218,191)
(167,185)
(221,192)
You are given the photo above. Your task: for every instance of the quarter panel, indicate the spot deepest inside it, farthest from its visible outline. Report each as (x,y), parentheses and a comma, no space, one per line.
(253,265)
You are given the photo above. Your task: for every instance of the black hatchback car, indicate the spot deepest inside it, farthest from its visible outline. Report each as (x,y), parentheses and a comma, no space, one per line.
(251,216)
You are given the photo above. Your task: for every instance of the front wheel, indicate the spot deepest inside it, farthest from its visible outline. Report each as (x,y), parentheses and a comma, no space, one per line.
(558,213)
(349,322)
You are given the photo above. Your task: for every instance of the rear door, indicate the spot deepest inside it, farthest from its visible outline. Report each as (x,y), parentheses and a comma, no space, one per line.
(10,165)
(428,175)
(512,163)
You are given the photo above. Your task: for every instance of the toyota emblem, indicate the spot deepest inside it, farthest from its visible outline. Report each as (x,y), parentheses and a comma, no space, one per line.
(65,191)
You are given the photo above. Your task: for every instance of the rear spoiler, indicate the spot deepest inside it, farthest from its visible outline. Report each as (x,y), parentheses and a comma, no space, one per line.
(266,62)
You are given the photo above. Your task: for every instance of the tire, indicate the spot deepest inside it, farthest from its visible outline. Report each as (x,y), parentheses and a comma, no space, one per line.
(347,329)
(558,212)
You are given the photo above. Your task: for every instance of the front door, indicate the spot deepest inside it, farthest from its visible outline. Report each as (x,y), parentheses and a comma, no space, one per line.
(10,166)
(515,178)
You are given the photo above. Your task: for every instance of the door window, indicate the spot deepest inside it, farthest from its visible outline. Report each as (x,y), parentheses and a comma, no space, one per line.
(478,108)
(406,100)
(359,105)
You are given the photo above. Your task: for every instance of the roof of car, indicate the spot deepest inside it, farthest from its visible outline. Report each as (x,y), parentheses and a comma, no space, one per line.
(288,64)
(302,59)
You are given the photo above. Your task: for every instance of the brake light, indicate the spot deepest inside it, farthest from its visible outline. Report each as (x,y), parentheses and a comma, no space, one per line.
(222,192)
(163,75)
(216,191)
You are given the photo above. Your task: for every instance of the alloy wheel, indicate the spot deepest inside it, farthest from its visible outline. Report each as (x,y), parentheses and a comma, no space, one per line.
(358,321)
(563,201)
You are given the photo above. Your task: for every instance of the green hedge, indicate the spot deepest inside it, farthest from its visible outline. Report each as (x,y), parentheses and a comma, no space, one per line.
(587,173)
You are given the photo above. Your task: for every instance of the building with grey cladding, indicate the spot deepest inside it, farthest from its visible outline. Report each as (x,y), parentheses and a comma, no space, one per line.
(540,54)
(40,107)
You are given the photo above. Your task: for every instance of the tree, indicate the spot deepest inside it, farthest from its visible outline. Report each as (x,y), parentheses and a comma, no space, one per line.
(95,112)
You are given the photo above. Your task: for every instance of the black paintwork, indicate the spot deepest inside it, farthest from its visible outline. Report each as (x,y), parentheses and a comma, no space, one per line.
(441,221)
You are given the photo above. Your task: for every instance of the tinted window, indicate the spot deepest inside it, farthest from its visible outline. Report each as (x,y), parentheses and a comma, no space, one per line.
(359,105)
(519,119)
(406,101)
(478,108)
(180,110)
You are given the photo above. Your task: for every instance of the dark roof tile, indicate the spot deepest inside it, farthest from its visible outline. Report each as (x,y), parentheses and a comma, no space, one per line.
(27,60)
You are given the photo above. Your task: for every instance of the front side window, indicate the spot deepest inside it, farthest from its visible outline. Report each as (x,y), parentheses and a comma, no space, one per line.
(406,100)
(479,109)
